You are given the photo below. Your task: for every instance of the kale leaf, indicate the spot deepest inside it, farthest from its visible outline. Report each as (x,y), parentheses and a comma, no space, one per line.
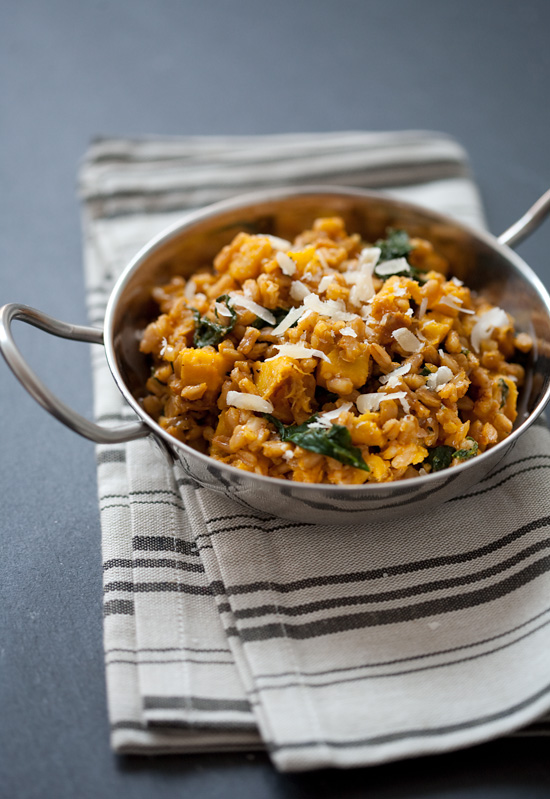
(504,390)
(209,333)
(396,245)
(464,454)
(335,441)
(440,457)
(323,395)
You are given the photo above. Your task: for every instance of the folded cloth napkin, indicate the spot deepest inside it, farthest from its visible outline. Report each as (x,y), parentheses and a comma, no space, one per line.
(328,646)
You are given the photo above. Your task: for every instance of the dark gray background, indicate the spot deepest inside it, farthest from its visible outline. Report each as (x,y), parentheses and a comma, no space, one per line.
(71,69)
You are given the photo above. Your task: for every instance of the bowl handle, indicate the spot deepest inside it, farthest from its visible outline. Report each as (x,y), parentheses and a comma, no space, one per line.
(35,387)
(529,222)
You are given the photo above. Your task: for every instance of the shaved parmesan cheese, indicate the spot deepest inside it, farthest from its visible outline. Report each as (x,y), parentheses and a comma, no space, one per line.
(321,258)
(487,322)
(245,302)
(366,313)
(456,281)
(391,378)
(299,290)
(297,351)
(288,267)
(423,307)
(451,302)
(362,291)
(369,256)
(405,404)
(326,419)
(393,267)
(335,309)
(278,243)
(361,278)
(407,340)
(334,414)
(166,349)
(292,316)
(348,331)
(324,283)
(248,402)
(439,378)
(371,402)
(222,310)
(190,289)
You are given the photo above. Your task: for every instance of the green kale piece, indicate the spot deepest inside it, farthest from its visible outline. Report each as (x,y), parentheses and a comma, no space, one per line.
(464,454)
(504,391)
(335,441)
(440,457)
(397,244)
(209,333)
(323,395)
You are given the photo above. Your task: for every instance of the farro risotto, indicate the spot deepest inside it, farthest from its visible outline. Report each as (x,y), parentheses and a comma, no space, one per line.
(332,360)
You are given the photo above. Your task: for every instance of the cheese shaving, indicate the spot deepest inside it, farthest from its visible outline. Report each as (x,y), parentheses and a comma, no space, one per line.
(288,267)
(407,340)
(248,402)
(190,289)
(399,372)
(299,290)
(423,307)
(451,302)
(393,267)
(166,349)
(371,402)
(324,283)
(348,331)
(439,378)
(361,278)
(245,302)
(297,351)
(332,308)
(487,322)
(321,258)
(292,316)
(222,310)
(326,419)
(368,257)
(277,243)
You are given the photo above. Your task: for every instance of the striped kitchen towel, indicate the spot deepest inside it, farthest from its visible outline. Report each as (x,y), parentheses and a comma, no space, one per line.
(225,630)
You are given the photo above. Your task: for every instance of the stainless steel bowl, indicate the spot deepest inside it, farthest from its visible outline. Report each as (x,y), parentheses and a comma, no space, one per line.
(485,263)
